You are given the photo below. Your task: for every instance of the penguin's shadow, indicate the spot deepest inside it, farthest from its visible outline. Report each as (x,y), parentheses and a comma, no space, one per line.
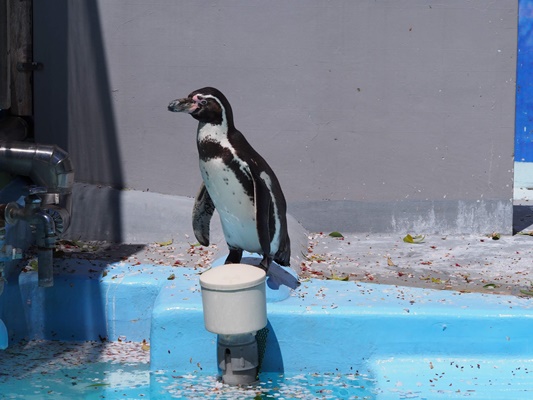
(273,359)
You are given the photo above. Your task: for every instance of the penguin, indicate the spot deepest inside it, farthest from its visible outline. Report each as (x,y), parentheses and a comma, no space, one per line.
(237,182)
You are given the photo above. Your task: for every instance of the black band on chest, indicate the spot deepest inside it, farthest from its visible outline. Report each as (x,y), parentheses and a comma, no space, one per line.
(210,149)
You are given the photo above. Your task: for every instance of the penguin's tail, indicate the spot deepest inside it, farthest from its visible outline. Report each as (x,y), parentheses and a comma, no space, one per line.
(283,255)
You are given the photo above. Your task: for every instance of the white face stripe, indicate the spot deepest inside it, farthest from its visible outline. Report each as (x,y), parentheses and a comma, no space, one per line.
(208,96)
(218,133)
(214,132)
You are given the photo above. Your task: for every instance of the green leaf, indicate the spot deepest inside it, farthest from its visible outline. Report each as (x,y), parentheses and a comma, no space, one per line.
(313,257)
(414,239)
(34,265)
(167,243)
(334,277)
(526,292)
(98,385)
(336,234)
(408,239)
(490,286)
(171,277)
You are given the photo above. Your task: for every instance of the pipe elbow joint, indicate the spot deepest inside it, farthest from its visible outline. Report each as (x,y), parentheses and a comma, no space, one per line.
(47,238)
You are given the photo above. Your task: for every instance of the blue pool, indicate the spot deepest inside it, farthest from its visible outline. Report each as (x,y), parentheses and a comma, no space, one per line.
(115,330)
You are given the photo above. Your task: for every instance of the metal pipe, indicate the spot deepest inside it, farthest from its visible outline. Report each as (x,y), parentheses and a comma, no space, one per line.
(45,271)
(47,166)
(45,233)
(49,204)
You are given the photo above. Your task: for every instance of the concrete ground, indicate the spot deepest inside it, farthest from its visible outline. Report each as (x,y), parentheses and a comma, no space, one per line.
(464,263)
(480,262)
(470,263)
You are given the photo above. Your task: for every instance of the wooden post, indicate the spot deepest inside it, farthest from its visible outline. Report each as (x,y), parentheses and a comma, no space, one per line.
(21,51)
(5,97)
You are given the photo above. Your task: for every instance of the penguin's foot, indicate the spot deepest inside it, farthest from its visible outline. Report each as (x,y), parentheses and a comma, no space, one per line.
(234,257)
(278,276)
(265,263)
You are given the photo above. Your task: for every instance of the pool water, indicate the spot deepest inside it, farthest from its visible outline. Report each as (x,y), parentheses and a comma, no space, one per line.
(121,370)
(91,381)
(91,370)
(271,386)
(41,369)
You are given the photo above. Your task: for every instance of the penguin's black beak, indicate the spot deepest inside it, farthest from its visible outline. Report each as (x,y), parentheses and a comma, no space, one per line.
(183,105)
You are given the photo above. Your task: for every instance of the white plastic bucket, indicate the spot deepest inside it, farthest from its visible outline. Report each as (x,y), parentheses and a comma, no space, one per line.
(233,298)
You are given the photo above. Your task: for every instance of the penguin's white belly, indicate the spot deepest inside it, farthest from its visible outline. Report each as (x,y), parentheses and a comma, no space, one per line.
(235,208)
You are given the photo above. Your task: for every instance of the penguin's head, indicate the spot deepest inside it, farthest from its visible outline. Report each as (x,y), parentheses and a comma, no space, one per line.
(207,105)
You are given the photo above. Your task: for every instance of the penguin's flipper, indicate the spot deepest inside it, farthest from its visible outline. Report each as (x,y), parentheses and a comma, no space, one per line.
(262,214)
(201,215)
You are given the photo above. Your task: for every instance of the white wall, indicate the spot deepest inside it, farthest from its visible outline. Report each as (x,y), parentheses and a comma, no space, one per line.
(376,115)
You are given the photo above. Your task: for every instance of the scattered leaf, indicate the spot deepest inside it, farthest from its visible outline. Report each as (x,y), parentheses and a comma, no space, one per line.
(414,239)
(59,253)
(94,385)
(171,277)
(167,243)
(433,280)
(34,265)
(336,234)
(494,236)
(145,347)
(334,277)
(66,242)
(314,257)
(390,263)
(490,286)
(526,292)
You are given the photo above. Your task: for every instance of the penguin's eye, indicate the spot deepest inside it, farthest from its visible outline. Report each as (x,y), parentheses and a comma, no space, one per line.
(202,102)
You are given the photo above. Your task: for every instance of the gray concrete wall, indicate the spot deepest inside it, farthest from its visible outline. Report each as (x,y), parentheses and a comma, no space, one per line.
(377,115)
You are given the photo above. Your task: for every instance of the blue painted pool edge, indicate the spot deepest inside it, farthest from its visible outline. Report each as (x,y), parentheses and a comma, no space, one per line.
(324,326)
(330,326)
(90,300)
